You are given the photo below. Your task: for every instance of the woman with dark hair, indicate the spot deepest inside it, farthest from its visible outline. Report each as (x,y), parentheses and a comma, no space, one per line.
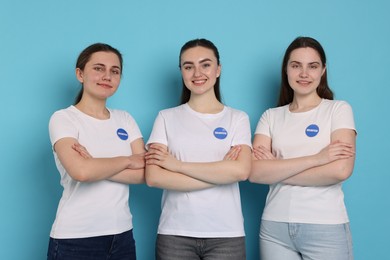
(93,219)
(198,152)
(304,149)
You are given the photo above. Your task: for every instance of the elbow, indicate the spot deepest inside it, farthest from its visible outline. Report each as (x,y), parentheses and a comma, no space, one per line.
(82,173)
(81,176)
(343,170)
(140,178)
(344,173)
(252,174)
(255,177)
(243,173)
(252,179)
(149,180)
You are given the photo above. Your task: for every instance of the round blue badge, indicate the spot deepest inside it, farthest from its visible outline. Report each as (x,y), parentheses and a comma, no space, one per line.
(312,130)
(220,133)
(122,134)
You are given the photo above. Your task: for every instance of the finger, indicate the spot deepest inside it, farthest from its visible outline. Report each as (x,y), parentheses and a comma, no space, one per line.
(158,147)
(152,162)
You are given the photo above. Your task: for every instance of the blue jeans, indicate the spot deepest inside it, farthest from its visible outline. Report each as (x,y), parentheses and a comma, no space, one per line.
(112,247)
(295,241)
(191,248)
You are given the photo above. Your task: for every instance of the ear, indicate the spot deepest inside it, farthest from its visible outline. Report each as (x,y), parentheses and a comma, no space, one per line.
(323,71)
(219,70)
(80,75)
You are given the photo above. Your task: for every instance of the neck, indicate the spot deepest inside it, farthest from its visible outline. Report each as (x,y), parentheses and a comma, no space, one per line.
(205,104)
(94,109)
(304,103)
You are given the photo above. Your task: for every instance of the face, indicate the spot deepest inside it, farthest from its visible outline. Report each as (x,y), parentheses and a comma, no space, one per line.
(101,75)
(200,70)
(304,71)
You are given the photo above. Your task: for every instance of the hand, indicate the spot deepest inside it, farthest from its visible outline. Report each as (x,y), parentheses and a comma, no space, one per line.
(233,153)
(262,153)
(81,150)
(335,151)
(137,161)
(159,155)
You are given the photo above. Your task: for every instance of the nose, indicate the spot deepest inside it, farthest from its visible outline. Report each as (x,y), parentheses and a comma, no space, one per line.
(197,72)
(107,75)
(303,73)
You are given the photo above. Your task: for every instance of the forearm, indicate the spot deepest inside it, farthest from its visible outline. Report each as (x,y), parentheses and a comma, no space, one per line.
(129,176)
(220,172)
(334,171)
(278,170)
(161,178)
(328,174)
(96,169)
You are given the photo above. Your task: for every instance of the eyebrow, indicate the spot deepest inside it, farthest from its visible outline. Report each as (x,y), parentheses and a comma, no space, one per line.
(314,62)
(101,64)
(191,63)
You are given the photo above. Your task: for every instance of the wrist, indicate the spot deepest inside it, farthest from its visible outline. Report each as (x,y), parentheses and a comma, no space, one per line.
(180,166)
(129,162)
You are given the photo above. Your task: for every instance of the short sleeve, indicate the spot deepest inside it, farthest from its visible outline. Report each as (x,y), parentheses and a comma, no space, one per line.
(61,126)
(135,132)
(342,116)
(158,134)
(243,131)
(263,126)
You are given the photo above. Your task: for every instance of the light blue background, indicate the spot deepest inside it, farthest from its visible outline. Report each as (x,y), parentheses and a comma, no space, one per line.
(40,41)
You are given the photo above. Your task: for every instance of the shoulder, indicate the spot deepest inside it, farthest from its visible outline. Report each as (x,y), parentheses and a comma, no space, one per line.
(172,111)
(276,111)
(66,113)
(122,117)
(120,113)
(236,112)
(336,104)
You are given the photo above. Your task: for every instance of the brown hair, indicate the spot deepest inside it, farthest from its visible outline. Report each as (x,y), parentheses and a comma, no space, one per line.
(186,93)
(286,92)
(85,56)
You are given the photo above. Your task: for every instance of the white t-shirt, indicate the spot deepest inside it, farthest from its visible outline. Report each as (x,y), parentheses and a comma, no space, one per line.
(302,134)
(94,208)
(196,137)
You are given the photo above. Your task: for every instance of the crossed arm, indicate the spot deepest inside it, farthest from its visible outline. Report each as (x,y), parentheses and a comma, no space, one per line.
(331,165)
(166,172)
(81,166)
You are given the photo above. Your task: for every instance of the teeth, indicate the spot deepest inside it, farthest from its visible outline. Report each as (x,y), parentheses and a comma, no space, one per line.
(199,81)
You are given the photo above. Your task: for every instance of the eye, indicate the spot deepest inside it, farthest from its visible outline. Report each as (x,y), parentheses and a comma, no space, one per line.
(98,68)
(116,72)
(206,65)
(187,67)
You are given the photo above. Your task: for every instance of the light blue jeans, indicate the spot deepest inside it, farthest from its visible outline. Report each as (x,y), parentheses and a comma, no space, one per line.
(295,241)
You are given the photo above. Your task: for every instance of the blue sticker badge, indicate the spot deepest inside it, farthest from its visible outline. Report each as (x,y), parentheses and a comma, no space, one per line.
(220,133)
(122,134)
(312,130)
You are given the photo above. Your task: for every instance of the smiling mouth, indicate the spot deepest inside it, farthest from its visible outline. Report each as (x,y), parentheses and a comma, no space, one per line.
(199,82)
(303,82)
(105,85)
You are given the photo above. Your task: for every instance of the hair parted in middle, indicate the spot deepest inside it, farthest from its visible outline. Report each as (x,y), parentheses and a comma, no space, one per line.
(286,92)
(186,93)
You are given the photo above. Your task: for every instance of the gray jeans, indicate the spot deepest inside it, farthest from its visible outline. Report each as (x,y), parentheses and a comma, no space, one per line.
(178,248)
